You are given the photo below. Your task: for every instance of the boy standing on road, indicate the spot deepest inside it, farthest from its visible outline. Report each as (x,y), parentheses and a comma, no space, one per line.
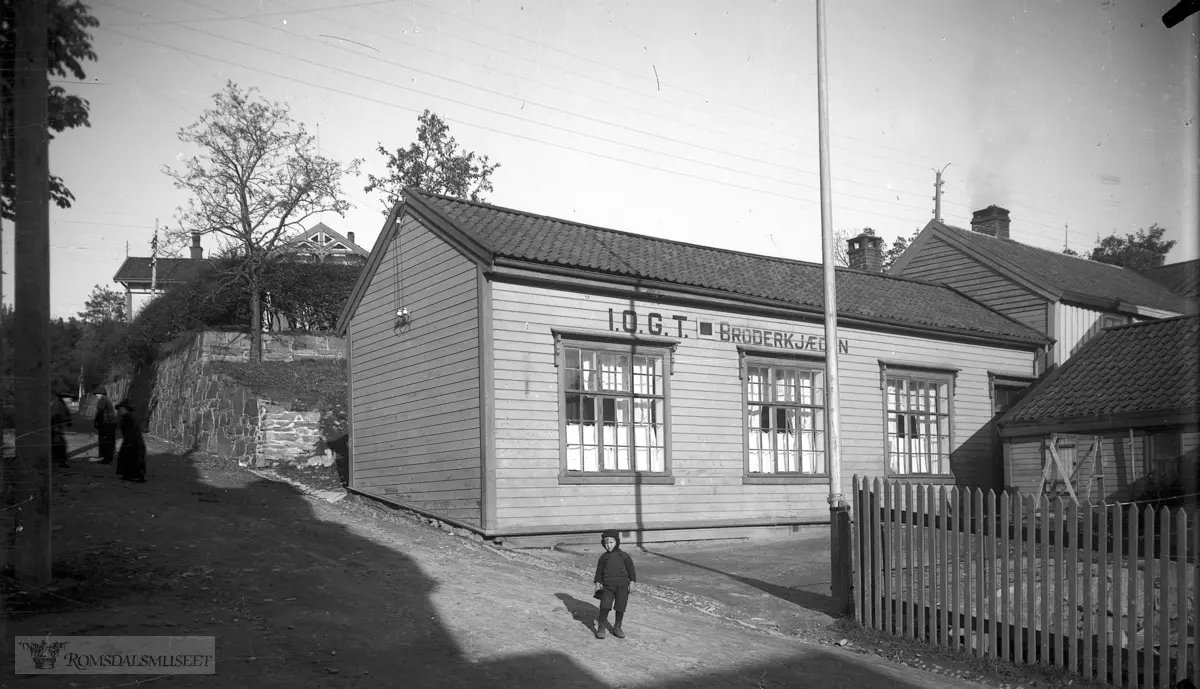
(615,580)
(105,424)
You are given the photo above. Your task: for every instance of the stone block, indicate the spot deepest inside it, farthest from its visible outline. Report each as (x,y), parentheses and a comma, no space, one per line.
(224,446)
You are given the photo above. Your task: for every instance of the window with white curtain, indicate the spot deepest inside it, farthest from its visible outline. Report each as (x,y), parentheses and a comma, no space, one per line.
(615,409)
(785,418)
(918,423)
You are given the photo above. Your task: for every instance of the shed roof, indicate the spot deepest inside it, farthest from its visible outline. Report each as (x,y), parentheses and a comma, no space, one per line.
(1153,366)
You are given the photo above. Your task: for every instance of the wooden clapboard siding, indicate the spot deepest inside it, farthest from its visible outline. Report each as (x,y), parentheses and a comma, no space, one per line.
(415,403)
(1122,463)
(1073,327)
(944,264)
(706,416)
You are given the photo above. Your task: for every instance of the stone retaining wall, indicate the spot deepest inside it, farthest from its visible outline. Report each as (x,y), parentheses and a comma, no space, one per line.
(197,408)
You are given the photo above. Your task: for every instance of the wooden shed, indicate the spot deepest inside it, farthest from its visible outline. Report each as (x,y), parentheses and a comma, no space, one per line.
(520,375)
(1124,407)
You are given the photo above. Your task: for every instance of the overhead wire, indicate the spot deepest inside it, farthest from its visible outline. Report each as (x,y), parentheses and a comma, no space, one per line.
(891,173)
(946,201)
(492,129)
(705,96)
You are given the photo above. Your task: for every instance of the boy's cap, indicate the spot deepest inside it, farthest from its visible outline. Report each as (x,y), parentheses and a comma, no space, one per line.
(611,533)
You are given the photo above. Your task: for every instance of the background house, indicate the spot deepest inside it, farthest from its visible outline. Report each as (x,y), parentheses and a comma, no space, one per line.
(143,274)
(1127,404)
(1068,298)
(320,244)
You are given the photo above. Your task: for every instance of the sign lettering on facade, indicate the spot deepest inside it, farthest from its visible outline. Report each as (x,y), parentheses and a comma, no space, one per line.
(654,323)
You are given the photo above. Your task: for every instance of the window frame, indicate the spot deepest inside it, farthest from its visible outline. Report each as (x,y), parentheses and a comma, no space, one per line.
(1154,441)
(889,369)
(662,347)
(755,356)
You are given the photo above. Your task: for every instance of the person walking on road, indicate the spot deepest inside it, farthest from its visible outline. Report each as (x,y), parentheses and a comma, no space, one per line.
(131,460)
(60,421)
(105,424)
(615,580)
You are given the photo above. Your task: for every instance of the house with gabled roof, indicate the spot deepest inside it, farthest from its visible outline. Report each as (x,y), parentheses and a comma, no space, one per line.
(527,377)
(1126,406)
(1067,298)
(322,244)
(318,244)
(148,275)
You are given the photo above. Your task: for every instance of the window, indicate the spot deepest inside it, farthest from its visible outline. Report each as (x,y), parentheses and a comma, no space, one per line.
(918,423)
(1163,451)
(1109,320)
(615,409)
(1067,448)
(785,418)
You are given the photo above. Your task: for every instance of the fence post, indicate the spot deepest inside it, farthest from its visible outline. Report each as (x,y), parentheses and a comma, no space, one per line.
(843,557)
(1181,590)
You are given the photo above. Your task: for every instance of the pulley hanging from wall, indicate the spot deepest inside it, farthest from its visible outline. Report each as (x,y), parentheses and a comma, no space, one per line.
(403,317)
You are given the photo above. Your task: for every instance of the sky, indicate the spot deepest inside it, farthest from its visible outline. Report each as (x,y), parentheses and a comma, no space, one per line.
(690,120)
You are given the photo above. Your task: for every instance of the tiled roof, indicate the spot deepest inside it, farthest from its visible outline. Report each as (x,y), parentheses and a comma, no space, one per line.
(1180,278)
(136,269)
(538,239)
(1076,275)
(1145,367)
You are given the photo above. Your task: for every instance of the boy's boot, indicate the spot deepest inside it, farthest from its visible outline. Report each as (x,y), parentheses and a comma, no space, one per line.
(601,623)
(617,627)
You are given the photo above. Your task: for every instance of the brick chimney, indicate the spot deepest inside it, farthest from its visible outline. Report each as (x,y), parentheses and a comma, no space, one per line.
(992,221)
(197,252)
(350,236)
(866,252)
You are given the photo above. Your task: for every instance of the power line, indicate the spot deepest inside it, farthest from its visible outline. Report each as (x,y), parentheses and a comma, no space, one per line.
(258,14)
(614,158)
(584,117)
(706,97)
(487,128)
(890,173)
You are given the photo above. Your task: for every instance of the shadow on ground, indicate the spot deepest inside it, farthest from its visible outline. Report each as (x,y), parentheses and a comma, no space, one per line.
(205,548)
(797,596)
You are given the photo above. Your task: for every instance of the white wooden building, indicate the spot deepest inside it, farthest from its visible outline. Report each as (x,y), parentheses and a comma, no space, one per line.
(523,376)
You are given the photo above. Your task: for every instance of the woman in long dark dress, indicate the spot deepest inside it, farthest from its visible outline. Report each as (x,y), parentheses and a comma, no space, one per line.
(60,421)
(131,459)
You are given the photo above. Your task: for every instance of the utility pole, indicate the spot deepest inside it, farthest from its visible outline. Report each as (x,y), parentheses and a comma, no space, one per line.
(31,478)
(937,194)
(841,550)
(154,261)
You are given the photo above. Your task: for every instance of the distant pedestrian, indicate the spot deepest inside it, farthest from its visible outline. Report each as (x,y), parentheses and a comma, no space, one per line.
(131,460)
(615,580)
(60,421)
(105,424)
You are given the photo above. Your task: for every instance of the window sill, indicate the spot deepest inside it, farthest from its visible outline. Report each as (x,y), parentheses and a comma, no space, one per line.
(797,479)
(934,479)
(616,479)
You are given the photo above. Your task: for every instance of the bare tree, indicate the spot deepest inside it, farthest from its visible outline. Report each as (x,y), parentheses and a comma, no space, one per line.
(256,180)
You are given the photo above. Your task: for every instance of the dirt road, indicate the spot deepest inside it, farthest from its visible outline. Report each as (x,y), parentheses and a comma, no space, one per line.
(303,593)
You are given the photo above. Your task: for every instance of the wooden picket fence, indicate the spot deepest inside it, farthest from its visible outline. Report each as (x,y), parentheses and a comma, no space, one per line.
(1105,591)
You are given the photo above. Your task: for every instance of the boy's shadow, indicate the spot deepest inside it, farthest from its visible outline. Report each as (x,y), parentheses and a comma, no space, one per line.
(582,611)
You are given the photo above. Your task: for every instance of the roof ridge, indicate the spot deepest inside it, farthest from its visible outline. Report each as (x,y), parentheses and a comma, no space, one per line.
(973,233)
(1153,322)
(777,259)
